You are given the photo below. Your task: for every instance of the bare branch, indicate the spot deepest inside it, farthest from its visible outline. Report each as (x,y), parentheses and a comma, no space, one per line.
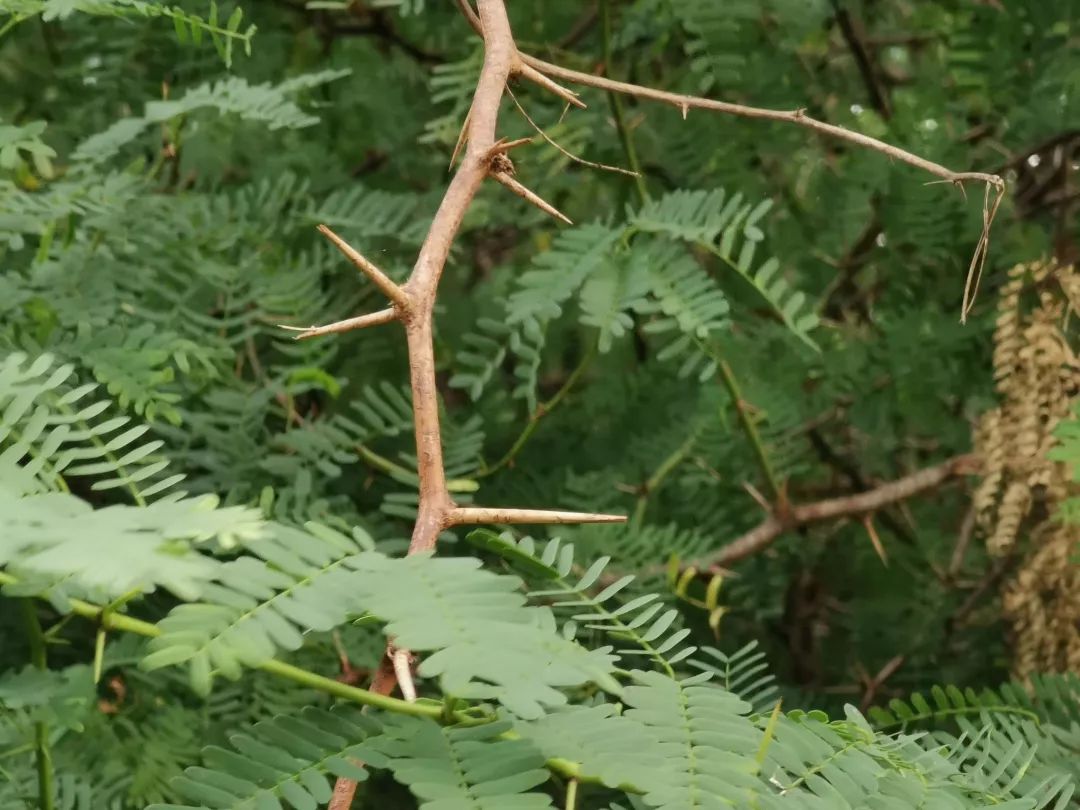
(382,281)
(865,503)
(471,515)
(359,322)
(684,103)
(797,117)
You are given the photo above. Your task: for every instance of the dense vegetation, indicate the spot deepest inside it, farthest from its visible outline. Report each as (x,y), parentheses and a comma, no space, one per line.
(848,576)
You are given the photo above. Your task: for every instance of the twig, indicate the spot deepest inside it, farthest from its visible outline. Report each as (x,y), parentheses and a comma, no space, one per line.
(863,503)
(359,322)
(557,145)
(660,473)
(685,103)
(856,43)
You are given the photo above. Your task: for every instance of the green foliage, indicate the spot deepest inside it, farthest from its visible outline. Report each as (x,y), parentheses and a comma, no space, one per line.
(288,758)
(208,518)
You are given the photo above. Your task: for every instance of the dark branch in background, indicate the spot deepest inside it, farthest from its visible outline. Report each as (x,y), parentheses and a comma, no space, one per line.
(843,286)
(579,29)
(847,467)
(855,38)
(377,25)
(864,503)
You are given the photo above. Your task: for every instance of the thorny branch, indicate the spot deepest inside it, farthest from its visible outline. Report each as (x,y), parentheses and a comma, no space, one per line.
(859,505)
(413,302)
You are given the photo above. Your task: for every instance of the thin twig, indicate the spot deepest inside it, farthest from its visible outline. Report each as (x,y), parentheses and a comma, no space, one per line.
(602,166)
(797,117)
(347,325)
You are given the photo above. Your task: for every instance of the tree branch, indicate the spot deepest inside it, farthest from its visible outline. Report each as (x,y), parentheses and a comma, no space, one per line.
(686,103)
(864,503)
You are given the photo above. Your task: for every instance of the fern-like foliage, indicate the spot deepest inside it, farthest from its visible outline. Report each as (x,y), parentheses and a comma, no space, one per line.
(285,759)
(264,103)
(188,26)
(729,229)
(465,767)
(641,625)
(295,582)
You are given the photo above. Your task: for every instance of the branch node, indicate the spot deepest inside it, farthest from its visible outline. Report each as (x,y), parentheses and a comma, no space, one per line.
(390,289)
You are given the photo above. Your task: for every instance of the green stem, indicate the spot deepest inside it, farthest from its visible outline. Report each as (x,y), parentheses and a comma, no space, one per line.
(542,410)
(615,100)
(663,471)
(571,794)
(407,476)
(41,729)
(752,434)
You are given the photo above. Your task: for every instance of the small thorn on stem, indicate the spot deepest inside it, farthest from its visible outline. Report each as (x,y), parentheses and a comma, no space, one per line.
(360,322)
(402,661)
(471,515)
(530,196)
(390,289)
